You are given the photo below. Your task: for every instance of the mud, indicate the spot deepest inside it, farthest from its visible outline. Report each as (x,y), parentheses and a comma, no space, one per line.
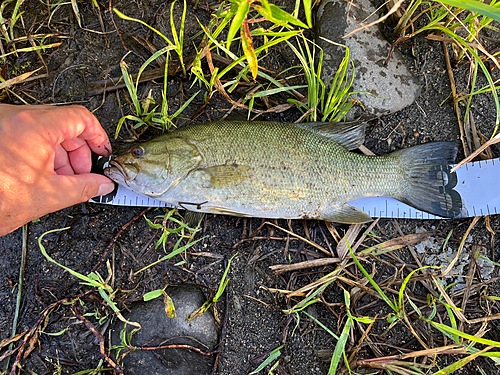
(256,323)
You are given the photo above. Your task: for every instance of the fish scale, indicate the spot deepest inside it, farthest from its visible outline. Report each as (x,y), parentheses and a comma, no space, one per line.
(278,170)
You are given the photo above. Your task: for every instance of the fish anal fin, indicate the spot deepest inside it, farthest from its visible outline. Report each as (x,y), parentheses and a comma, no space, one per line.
(351,134)
(345,214)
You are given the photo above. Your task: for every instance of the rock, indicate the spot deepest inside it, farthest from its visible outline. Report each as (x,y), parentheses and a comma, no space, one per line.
(158,329)
(393,85)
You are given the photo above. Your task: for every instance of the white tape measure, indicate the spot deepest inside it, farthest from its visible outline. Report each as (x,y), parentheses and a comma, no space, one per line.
(477,184)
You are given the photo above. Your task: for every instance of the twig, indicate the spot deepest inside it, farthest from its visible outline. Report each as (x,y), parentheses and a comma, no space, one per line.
(173,346)
(19,290)
(112,242)
(301,238)
(463,136)
(117,368)
(280,268)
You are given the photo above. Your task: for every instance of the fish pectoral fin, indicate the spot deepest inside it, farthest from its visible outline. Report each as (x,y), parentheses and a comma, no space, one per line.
(346,214)
(351,134)
(223,176)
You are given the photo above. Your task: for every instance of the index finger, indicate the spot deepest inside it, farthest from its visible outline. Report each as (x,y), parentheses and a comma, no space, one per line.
(60,124)
(81,123)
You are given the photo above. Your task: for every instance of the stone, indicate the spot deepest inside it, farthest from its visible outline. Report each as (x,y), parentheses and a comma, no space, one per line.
(393,85)
(158,329)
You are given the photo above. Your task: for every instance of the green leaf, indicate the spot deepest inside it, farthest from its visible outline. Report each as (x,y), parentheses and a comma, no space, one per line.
(239,17)
(152,295)
(56,333)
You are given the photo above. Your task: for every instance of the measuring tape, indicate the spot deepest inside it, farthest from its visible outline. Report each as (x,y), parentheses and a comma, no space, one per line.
(476,184)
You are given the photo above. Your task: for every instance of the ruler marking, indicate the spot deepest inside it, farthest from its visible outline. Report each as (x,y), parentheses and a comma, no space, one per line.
(488,208)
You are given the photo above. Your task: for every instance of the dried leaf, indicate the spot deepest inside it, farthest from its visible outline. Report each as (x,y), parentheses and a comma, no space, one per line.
(247,44)
(169,305)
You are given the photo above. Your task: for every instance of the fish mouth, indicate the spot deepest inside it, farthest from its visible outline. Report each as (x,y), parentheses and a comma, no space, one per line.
(128,171)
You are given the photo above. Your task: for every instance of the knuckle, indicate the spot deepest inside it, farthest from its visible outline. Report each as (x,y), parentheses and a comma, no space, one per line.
(88,192)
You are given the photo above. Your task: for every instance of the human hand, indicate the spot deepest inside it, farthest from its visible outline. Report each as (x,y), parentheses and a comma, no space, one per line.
(45,161)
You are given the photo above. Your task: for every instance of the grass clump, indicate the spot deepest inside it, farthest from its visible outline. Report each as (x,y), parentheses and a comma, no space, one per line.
(459,26)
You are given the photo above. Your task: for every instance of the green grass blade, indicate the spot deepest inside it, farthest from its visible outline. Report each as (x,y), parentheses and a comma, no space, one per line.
(403,285)
(257,51)
(321,325)
(176,251)
(308,11)
(461,363)
(306,302)
(277,90)
(172,24)
(452,331)
(132,89)
(339,348)
(281,15)
(275,354)
(127,18)
(150,60)
(88,280)
(476,6)
(374,284)
(223,281)
(183,107)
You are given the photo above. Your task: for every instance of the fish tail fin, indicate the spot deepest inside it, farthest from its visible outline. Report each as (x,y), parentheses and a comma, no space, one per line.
(428,181)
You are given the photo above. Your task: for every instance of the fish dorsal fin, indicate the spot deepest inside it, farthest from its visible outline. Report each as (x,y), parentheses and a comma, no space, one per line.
(350,134)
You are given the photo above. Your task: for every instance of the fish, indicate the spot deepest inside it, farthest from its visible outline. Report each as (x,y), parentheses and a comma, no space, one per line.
(285,171)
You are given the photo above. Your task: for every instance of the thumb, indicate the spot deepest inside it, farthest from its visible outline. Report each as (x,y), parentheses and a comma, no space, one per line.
(73,189)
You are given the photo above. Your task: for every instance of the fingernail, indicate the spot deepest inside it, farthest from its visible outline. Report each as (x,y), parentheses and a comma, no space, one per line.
(106,188)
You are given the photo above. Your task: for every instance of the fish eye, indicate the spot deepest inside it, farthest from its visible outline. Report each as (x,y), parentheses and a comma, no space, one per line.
(137,152)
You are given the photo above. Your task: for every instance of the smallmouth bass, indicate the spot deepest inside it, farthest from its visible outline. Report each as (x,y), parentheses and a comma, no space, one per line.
(285,171)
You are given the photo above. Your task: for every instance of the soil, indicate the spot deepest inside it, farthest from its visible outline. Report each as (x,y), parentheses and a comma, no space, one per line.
(256,323)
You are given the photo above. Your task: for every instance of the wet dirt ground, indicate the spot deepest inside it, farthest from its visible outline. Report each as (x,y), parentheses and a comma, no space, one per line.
(256,323)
